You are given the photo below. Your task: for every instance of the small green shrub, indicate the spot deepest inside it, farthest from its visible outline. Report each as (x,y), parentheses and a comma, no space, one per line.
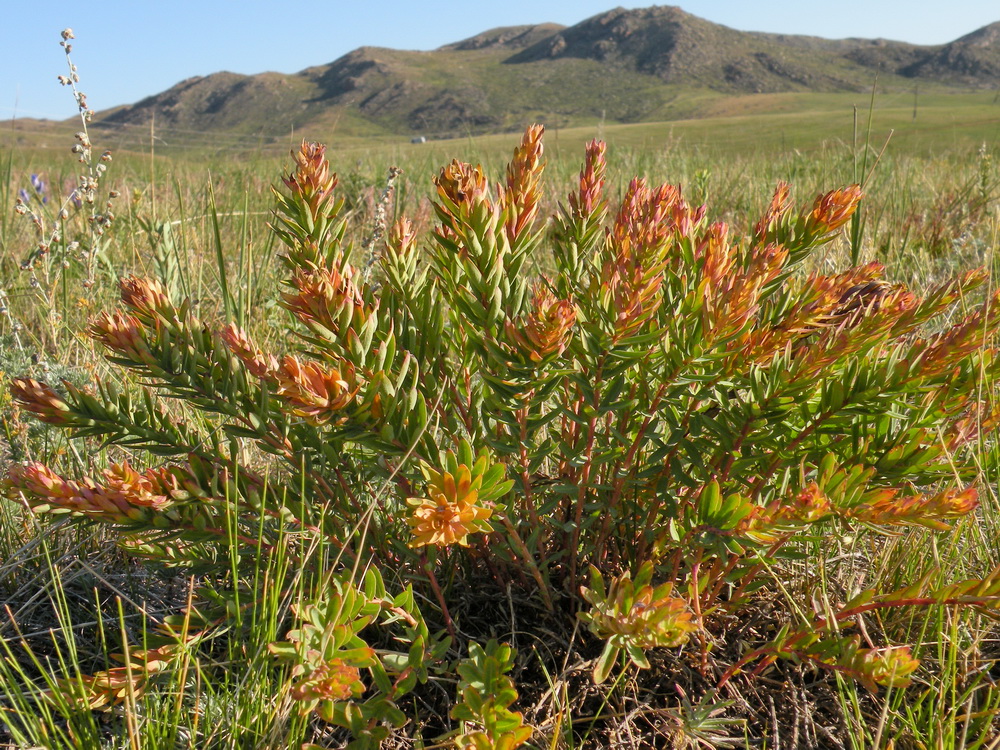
(676,401)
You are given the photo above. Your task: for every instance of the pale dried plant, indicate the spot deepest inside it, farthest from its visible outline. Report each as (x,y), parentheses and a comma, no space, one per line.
(375,242)
(54,251)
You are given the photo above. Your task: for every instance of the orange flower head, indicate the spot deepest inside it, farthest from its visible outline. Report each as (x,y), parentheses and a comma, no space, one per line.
(145,490)
(333,680)
(239,343)
(402,237)
(328,297)
(521,195)
(315,393)
(589,197)
(833,210)
(930,511)
(145,296)
(953,503)
(945,349)
(640,223)
(636,613)
(779,207)
(527,161)
(312,179)
(41,400)
(808,506)
(120,332)
(547,329)
(450,513)
(718,255)
(638,250)
(888,666)
(124,496)
(461,184)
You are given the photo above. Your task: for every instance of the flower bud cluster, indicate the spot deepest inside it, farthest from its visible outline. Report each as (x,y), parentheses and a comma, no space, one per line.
(41,400)
(635,613)
(123,334)
(586,201)
(461,185)
(833,210)
(147,298)
(635,254)
(122,495)
(315,392)
(312,179)
(402,239)
(259,364)
(520,197)
(329,298)
(333,680)
(114,686)
(306,217)
(547,329)
(930,511)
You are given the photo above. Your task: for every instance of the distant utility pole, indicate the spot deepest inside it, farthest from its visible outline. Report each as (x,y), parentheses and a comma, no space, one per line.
(915,90)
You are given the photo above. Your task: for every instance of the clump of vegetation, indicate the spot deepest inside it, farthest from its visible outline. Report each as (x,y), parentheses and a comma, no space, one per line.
(646,438)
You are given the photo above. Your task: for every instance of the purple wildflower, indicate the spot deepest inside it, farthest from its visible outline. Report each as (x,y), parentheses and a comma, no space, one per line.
(39,185)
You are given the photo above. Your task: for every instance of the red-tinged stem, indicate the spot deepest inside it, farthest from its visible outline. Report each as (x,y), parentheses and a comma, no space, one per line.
(582,482)
(777,460)
(696,606)
(675,564)
(847,614)
(463,412)
(568,428)
(529,502)
(655,507)
(738,666)
(917,601)
(399,612)
(751,575)
(347,490)
(439,595)
(484,554)
(723,473)
(619,482)
(529,560)
(720,578)
(640,434)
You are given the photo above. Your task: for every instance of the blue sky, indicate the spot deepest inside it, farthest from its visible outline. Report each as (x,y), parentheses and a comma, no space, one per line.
(128,49)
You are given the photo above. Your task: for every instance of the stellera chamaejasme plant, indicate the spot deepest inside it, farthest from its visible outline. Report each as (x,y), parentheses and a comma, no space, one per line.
(671,410)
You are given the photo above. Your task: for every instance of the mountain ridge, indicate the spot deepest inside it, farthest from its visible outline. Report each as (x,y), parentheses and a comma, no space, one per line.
(623,65)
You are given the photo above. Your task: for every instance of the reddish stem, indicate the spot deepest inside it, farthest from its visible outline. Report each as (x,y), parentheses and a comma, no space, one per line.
(439,595)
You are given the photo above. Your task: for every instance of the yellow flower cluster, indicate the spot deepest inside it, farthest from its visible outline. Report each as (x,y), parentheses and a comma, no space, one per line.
(449,513)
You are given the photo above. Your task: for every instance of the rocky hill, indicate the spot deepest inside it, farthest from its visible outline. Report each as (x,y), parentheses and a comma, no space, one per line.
(622,65)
